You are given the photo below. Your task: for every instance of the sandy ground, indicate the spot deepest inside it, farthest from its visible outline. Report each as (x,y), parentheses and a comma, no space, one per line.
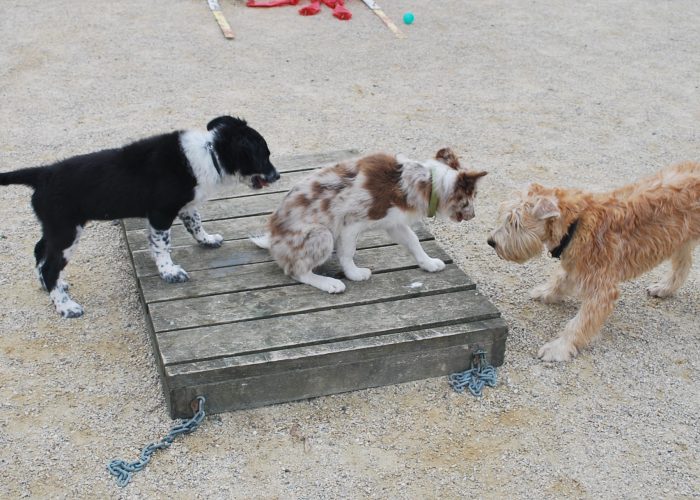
(590,94)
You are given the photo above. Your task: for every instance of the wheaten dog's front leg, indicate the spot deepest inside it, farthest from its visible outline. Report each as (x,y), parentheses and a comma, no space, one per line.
(681,262)
(404,236)
(345,249)
(555,290)
(595,309)
(193,223)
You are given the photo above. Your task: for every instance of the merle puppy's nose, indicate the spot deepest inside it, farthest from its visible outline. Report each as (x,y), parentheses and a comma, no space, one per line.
(491,243)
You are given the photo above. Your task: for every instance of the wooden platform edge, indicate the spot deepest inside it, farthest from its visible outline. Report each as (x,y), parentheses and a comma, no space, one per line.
(149,326)
(439,358)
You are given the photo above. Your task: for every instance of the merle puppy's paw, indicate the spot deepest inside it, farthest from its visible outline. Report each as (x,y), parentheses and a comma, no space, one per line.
(432,265)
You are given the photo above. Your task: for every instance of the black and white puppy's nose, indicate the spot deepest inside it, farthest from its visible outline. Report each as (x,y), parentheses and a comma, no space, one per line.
(272,176)
(491,243)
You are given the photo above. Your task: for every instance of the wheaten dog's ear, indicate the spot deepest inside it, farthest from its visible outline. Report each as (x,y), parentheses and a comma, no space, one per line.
(448,157)
(545,208)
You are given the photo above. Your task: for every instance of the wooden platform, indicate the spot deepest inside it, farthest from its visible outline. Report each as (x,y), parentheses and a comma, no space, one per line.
(243,334)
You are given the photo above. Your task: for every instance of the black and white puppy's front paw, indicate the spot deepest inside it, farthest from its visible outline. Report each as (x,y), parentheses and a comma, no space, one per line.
(212,241)
(65,306)
(173,274)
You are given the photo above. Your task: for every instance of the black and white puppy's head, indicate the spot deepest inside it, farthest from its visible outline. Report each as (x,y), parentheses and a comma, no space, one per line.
(242,151)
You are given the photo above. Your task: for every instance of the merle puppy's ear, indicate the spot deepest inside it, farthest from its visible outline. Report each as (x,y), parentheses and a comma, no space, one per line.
(226,121)
(448,157)
(466,181)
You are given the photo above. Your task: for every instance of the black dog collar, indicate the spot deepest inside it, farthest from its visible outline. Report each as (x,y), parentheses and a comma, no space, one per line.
(214,159)
(556,252)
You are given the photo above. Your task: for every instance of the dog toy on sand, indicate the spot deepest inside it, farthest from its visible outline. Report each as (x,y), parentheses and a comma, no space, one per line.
(408,18)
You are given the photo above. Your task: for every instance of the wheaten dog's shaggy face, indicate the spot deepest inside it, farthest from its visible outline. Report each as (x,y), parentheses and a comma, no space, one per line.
(603,239)
(525,225)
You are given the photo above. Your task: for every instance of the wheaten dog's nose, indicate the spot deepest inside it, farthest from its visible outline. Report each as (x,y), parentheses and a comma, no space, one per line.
(491,243)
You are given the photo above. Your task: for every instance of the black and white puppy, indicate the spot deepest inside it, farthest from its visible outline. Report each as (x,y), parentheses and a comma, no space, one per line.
(159,178)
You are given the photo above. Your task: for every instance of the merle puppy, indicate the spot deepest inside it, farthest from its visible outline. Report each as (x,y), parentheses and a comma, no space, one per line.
(159,178)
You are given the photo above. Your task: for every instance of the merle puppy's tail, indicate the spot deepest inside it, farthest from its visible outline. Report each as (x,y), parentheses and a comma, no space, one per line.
(261,240)
(27,176)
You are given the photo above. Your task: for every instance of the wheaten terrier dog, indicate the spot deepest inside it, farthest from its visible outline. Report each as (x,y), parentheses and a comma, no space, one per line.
(602,240)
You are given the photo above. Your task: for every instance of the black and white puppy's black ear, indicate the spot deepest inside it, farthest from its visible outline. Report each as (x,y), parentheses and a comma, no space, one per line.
(226,121)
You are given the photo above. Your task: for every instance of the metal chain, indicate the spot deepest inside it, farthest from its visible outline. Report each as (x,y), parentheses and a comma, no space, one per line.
(475,378)
(123,470)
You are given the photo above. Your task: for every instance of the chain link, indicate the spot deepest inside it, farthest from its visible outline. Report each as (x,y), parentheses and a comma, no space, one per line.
(479,375)
(123,470)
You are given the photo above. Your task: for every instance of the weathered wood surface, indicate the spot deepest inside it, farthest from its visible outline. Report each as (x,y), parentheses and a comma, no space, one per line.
(268,274)
(243,334)
(235,253)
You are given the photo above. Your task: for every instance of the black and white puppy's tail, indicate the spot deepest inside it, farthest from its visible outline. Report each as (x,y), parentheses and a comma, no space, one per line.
(27,176)
(261,240)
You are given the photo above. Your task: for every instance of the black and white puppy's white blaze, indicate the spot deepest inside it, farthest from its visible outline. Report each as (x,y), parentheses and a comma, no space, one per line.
(159,178)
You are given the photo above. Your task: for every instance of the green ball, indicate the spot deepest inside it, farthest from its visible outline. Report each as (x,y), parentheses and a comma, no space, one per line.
(408,18)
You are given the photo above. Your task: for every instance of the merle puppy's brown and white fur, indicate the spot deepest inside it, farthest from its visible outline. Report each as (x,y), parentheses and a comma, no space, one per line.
(331,207)
(159,178)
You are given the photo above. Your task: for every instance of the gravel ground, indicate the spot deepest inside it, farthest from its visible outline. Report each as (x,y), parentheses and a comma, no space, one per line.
(590,94)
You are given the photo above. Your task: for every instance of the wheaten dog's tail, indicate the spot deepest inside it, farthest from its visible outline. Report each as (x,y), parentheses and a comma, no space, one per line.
(262,240)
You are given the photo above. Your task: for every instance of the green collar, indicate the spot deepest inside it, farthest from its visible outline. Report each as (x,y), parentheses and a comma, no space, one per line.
(434,200)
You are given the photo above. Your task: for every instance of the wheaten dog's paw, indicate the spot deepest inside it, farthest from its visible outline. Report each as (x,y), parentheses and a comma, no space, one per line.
(432,265)
(659,290)
(544,294)
(331,285)
(174,274)
(358,274)
(212,241)
(558,349)
(69,309)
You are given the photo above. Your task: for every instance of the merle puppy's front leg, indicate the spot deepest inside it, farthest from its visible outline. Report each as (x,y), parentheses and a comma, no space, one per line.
(159,242)
(193,223)
(404,236)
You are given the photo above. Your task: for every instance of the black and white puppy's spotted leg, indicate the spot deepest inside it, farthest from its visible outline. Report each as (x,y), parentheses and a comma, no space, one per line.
(52,257)
(193,223)
(159,242)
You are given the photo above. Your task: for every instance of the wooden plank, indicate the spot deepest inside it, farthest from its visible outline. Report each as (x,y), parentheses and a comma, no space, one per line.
(268,274)
(228,208)
(313,160)
(272,302)
(234,253)
(286,182)
(266,378)
(331,353)
(230,229)
(218,341)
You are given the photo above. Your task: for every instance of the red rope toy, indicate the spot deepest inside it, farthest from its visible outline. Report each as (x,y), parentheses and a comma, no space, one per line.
(312,9)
